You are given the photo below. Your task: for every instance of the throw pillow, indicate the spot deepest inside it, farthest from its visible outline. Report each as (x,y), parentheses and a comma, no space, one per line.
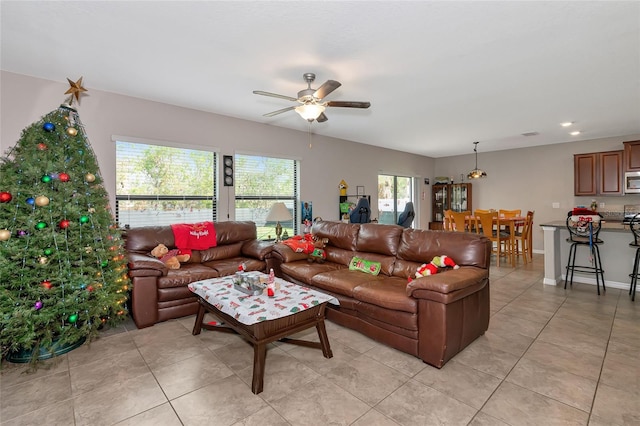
(363,265)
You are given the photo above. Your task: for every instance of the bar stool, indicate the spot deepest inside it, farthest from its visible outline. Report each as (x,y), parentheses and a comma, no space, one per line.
(635,229)
(583,231)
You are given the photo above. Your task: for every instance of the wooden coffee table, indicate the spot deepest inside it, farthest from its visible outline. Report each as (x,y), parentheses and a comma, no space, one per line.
(261,333)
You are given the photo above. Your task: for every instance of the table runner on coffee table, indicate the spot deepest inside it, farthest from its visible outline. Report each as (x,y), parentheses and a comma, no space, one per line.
(247,309)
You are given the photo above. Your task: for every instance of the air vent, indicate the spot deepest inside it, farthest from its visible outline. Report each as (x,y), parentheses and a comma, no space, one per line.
(530,134)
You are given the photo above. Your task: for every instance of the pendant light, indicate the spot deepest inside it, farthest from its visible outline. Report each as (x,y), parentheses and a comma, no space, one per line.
(476,173)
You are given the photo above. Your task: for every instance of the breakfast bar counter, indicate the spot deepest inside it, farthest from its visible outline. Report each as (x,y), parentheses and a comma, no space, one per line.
(617,257)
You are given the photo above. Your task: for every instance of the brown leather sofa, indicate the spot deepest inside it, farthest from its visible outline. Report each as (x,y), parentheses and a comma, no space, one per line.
(159,293)
(433,317)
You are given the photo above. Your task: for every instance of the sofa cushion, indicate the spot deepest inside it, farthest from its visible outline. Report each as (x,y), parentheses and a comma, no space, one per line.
(226,267)
(186,274)
(388,292)
(341,235)
(342,281)
(214,253)
(304,271)
(373,238)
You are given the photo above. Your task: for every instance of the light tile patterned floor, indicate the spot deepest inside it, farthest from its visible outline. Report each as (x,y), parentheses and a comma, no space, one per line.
(550,357)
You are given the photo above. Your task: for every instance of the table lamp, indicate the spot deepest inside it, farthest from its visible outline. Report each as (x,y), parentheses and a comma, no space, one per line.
(279,213)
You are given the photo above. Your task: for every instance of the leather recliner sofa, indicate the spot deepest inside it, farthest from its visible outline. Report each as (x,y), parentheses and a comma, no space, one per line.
(433,317)
(159,293)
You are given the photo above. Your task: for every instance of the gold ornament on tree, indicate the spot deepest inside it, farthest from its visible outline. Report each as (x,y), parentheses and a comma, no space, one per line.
(89,177)
(42,201)
(5,234)
(72,131)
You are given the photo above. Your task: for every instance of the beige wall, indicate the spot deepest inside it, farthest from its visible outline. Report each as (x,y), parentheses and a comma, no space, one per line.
(525,178)
(24,100)
(533,179)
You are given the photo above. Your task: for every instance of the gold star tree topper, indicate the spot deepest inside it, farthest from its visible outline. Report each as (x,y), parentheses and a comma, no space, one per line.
(75,90)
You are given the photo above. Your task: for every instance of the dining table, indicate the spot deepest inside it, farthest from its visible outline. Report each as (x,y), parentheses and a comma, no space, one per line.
(509,224)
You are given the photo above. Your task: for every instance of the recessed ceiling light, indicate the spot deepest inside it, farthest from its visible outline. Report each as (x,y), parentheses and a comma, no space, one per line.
(566,123)
(576,133)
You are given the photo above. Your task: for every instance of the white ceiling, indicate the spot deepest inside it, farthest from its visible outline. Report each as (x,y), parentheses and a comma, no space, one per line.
(439,75)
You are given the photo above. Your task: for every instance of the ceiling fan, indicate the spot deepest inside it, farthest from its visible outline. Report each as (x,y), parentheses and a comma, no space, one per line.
(311,100)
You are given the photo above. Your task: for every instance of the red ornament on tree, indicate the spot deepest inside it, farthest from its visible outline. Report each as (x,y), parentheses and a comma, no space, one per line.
(64,224)
(42,147)
(63,177)
(5,197)
(46,284)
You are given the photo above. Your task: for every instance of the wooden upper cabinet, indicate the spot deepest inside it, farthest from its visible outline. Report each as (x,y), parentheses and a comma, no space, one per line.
(598,173)
(584,171)
(611,179)
(632,156)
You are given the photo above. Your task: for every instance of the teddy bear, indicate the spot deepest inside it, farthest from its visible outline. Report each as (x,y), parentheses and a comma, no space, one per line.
(318,254)
(171,258)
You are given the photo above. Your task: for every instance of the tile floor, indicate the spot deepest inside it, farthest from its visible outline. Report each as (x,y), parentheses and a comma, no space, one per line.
(550,357)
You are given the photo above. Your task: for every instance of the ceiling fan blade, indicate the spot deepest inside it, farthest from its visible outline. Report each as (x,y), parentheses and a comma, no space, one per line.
(348,104)
(321,118)
(274,95)
(280,111)
(328,87)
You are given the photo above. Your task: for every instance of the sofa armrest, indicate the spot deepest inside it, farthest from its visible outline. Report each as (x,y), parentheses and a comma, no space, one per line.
(285,254)
(449,286)
(257,249)
(139,262)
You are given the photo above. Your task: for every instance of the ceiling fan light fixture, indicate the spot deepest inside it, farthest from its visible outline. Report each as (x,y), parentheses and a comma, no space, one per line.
(476,173)
(310,112)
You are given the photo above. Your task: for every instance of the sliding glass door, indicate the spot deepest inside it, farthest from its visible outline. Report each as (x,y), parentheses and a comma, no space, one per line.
(394,192)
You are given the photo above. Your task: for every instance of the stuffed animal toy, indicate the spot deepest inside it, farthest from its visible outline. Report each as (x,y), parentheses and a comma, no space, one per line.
(426,269)
(434,266)
(444,261)
(318,254)
(171,258)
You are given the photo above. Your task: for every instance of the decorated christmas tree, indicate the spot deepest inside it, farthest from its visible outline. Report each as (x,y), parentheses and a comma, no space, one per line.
(62,262)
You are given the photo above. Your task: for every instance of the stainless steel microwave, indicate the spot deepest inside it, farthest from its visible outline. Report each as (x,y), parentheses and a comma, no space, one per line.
(632,183)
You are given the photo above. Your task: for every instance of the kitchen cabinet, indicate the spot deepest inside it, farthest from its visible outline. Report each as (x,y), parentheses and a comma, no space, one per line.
(632,156)
(598,173)
(448,196)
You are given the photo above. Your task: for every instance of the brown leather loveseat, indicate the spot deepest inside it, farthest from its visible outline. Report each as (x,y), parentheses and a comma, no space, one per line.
(433,317)
(159,293)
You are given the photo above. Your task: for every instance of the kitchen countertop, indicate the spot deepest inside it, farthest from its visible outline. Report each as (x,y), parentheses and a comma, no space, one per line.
(606,226)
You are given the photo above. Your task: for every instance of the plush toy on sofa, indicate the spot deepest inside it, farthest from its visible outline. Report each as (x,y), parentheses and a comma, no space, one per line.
(318,254)
(171,258)
(444,261)
(434,266)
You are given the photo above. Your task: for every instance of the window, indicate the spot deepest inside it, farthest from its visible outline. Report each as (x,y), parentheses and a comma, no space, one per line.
(259,183)
(393,194)
(161,185)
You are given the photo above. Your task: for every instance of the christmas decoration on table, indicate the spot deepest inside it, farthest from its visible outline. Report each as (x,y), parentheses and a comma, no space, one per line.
(63,270)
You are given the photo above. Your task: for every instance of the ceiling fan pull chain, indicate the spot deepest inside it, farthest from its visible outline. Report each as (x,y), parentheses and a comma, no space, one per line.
(309,134)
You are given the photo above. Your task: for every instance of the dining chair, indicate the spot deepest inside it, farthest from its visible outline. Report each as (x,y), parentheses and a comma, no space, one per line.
(487,222)
(447,221)
(510,213)
(475,223)
(521,240)
(460,221)
(530,237)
